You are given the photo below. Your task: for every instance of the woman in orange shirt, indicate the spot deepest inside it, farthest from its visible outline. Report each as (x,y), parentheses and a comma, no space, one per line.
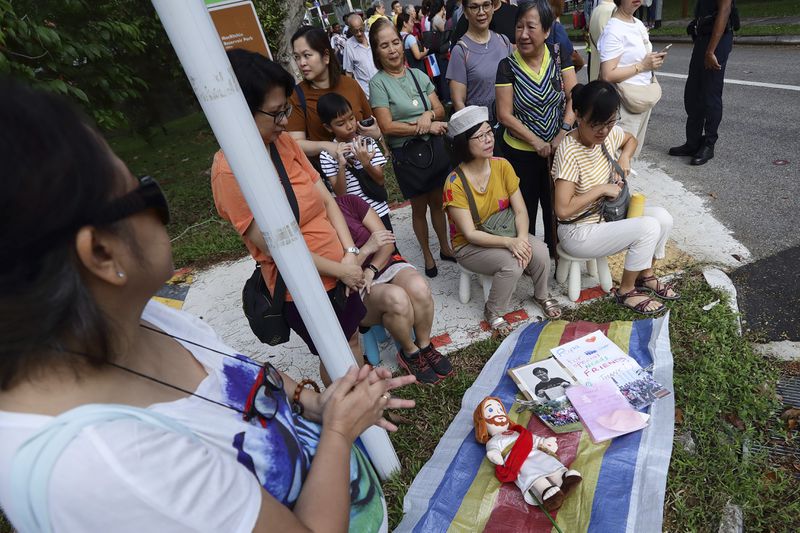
(266,87)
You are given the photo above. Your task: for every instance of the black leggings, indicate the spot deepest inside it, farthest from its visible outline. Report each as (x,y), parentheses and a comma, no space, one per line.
(535,186)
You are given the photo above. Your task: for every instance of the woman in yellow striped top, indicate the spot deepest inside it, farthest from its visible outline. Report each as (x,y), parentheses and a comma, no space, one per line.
(584,176)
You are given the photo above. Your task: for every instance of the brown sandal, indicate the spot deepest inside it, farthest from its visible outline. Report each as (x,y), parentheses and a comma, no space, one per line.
(661,290)
(641,307)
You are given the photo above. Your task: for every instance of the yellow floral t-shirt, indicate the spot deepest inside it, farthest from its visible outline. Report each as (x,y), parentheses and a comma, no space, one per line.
(503,182)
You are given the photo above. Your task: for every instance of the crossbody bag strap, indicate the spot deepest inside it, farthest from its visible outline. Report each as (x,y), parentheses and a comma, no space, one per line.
(614,164)
(419,89)
(279,294)
(473,209)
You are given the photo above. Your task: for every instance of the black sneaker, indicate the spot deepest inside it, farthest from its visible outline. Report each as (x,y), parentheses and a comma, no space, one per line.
(419,367)
(440,364)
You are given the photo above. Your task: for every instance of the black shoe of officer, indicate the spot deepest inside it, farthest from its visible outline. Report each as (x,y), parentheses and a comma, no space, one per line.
(684,149)
(703,155)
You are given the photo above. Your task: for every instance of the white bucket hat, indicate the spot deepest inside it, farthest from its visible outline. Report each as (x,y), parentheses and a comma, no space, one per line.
(463,120)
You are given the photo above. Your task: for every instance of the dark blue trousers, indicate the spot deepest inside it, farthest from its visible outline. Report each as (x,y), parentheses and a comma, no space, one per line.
(702,96)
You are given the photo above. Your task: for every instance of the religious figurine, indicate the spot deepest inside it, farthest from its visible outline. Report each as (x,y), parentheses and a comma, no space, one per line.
(522,457)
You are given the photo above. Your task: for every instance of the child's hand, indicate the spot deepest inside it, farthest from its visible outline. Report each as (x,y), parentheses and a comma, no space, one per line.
(364,150)
(344,154)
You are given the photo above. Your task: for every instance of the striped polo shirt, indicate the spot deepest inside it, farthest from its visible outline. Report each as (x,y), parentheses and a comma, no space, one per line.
(586,167)
(537,96)
(330,167)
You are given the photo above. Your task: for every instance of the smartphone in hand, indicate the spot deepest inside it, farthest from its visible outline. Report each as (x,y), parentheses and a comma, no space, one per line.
(664,50)
(367,122)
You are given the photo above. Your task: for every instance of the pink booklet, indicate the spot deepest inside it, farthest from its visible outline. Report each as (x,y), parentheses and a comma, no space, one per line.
(604,411)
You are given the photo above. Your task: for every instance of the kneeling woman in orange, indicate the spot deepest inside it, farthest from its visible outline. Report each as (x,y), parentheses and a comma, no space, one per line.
(483,187)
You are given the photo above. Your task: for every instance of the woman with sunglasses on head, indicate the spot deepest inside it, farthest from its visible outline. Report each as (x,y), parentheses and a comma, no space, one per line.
(482,187)
(533,103)
(266,87)
(322,74)
(584,175)
(410,114)
(137,415)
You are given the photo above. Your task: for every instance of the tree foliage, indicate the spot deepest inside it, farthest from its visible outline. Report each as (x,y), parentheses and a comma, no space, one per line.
(105,54)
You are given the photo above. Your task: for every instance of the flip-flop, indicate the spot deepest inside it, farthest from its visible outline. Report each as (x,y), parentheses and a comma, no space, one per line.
(661,290)
(641,307)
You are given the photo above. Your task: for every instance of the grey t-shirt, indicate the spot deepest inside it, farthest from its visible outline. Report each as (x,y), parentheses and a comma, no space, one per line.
(475,65)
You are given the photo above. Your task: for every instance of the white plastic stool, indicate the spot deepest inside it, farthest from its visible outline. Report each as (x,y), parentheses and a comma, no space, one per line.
(465,281)
(569,270)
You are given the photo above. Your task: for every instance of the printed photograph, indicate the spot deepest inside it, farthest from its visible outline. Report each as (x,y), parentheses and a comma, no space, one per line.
(543,380)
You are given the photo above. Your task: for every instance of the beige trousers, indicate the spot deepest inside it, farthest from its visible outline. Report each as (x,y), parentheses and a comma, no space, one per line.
(505,272)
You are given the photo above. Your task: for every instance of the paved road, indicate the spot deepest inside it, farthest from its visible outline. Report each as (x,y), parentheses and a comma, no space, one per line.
(754,198)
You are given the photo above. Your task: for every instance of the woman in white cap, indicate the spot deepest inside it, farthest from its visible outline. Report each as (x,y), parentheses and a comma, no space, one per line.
(489,222)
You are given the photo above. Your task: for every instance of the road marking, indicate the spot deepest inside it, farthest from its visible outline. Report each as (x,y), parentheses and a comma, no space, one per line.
(740,82)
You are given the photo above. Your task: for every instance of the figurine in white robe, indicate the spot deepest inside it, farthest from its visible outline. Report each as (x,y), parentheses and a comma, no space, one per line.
(522,457)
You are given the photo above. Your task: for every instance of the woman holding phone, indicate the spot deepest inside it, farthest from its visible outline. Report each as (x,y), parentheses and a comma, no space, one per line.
(628,61)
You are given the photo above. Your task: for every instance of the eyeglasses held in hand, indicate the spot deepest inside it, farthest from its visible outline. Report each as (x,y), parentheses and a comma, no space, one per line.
(262,401)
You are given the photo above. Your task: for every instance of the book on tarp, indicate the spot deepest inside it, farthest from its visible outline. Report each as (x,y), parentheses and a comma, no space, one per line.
(594,358)
(544,384)
(604,411)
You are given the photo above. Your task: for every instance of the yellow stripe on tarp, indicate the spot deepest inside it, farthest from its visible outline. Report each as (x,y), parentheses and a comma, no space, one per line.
(478,503)
(172,302)
(577,509)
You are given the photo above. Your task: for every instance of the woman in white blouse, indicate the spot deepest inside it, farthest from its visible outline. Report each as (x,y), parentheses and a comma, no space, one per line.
(626,55)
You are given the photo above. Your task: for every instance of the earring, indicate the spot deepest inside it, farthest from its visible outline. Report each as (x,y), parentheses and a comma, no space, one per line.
(120,274)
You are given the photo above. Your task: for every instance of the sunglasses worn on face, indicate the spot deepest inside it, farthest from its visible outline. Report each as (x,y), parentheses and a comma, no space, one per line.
(262,401)
(148,195)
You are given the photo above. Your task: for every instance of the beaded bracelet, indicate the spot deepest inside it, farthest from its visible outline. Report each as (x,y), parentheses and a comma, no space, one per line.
(297,407)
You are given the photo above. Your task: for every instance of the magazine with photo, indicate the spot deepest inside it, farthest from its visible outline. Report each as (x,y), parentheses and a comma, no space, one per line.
(594,358)
(544,383)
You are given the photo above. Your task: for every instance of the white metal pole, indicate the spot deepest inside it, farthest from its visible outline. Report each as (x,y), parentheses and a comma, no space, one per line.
(202,56)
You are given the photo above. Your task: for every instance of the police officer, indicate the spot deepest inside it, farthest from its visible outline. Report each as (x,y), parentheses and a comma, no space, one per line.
(712,31)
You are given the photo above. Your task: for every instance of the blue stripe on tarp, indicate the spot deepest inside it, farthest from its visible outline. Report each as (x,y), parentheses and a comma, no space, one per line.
(612,495)
(458,479)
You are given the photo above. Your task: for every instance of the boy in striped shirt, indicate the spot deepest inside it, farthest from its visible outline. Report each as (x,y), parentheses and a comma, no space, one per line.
(361,154)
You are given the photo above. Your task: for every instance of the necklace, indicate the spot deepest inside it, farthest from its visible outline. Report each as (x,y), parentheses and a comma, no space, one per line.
(170,385)
(403,82)
(479,41)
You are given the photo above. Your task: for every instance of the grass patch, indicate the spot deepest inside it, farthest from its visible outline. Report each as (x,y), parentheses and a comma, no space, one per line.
(719,384)
(180,159)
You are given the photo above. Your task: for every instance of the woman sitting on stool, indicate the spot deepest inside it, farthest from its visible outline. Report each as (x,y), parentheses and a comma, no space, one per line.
(494,187)
(581,171)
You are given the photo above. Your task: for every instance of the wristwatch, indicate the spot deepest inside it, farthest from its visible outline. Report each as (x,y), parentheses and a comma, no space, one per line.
(566,127)
(352,250)
(373,268)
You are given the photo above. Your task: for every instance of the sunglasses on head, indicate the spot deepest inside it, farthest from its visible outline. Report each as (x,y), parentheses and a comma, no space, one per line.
(148,195)
(262,403)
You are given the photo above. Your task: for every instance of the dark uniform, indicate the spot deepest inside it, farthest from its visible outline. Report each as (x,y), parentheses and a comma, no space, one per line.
(702,96)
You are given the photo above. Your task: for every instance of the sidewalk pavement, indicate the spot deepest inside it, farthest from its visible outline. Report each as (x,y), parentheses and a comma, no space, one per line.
(215,294)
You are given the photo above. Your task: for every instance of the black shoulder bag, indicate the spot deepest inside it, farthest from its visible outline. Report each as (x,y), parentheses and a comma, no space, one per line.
(264,312)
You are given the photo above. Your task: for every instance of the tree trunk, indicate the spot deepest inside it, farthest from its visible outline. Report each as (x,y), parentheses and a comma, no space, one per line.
(295,11)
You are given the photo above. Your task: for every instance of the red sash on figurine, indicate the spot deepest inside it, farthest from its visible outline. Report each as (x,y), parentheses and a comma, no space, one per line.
(519,452)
